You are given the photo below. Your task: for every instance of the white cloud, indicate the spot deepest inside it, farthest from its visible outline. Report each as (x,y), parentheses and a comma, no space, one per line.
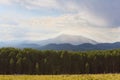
(36,4)
(32,4)
(6,2)
(64,6)
(98,34)
(5,32)
(47,27)
(78,20)
(76,24)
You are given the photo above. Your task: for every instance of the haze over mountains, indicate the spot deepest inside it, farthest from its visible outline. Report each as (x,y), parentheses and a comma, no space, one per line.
(71,39)
(63,42)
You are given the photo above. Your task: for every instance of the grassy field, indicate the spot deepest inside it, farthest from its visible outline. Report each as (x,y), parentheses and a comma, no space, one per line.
(61,77)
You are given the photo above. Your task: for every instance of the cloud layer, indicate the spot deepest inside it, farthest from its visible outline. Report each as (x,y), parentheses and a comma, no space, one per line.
(95,19)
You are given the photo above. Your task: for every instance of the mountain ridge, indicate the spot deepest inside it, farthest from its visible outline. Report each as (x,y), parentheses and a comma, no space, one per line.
(63,42)
(65,38)
(82,47)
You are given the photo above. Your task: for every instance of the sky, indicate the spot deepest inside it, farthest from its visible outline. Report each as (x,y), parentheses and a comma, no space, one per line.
(42,19)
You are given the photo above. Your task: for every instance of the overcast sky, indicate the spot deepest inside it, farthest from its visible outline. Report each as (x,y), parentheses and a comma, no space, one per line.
(42,19)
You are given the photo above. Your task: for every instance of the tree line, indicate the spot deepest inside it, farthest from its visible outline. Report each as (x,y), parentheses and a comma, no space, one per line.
(31,61)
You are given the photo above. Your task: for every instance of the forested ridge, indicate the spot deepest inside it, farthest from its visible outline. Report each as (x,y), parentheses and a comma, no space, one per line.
(31,61)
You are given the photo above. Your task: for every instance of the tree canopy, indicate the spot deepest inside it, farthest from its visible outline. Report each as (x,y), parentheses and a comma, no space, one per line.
(31,61)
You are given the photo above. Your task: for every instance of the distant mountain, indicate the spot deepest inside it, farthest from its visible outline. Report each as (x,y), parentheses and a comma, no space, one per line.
(61,39)
(58,47)
(66,46)
(70,47)
(28,45)
(81,47)
(69,39)
(63,42)
(19,44)
(2,44)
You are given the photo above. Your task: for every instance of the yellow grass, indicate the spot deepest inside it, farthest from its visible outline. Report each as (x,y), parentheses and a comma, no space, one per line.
(61,77)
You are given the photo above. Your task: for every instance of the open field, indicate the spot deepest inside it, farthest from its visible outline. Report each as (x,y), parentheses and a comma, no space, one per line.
(61,77)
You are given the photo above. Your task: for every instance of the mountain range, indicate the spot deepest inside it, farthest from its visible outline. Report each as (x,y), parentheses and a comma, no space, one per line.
(63,42)
(82,47)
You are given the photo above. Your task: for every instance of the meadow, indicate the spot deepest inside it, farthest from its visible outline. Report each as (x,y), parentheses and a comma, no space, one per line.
(62,77)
